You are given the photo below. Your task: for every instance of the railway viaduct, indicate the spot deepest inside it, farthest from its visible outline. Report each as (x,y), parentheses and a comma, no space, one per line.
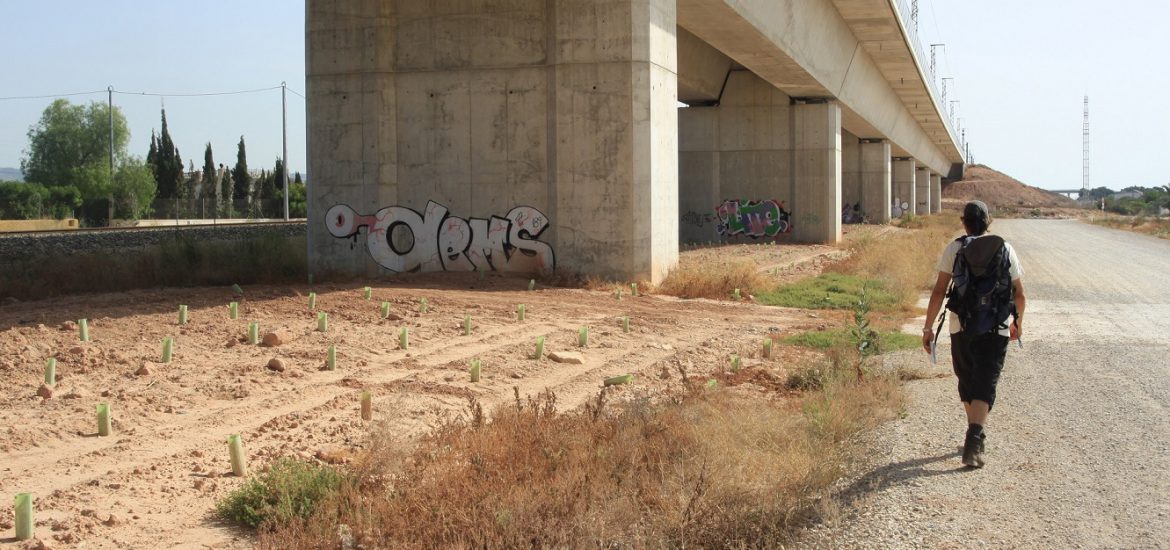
(532,135)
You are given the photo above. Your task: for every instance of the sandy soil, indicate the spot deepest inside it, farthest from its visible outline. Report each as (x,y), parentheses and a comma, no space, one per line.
(155,480)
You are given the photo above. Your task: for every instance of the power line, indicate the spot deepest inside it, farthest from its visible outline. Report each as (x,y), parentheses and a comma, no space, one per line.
(203,94)
(50,96)
(297,93)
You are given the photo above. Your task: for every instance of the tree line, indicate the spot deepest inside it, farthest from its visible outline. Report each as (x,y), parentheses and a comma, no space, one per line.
(67,166)
(1133,200)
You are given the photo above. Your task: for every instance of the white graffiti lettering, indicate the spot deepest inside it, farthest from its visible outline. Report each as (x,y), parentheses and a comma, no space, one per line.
(402,240)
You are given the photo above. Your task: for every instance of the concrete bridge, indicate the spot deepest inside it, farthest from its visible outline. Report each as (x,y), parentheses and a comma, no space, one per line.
(529,135)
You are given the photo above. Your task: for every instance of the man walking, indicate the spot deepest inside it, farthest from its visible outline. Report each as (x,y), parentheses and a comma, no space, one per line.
(987,290)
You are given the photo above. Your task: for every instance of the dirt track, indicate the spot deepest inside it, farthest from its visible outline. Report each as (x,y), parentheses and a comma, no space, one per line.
(166,463)
(1079,441)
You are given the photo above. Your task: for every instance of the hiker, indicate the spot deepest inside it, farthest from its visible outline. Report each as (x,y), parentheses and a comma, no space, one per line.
(986,306)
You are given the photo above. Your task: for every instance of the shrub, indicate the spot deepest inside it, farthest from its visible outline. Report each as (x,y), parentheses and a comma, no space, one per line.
(288,491)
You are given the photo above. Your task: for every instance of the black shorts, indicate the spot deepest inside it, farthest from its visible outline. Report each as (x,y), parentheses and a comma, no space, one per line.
(978,360)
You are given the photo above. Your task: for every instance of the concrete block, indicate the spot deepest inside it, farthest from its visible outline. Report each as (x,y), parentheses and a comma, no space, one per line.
(904,188)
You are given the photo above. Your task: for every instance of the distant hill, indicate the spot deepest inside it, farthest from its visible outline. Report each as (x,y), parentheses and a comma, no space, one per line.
(1000,190)
(11,174)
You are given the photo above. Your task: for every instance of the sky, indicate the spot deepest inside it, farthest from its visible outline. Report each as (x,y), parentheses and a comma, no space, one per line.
(164,47)
(1021,70)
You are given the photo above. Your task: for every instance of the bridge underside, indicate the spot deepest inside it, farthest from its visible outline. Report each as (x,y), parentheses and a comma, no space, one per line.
(536,135)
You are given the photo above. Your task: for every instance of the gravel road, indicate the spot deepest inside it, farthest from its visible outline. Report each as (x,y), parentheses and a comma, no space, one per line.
(1079,441)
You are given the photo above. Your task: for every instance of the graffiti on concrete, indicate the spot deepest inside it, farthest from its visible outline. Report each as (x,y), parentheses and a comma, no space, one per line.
(899,207)
(696,219)
(402,240)
(766,218)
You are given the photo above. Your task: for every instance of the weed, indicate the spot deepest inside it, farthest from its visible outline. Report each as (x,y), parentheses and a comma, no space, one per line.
(694,280)
(709,469)
(289,490)
(829,291)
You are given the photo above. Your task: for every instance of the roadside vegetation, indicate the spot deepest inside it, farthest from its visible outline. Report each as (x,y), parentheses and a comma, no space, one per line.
(1158,227)
(703,465)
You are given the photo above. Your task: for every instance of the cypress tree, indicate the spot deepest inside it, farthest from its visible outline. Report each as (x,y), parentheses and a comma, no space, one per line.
(168,164)
(210,185)
(240,177)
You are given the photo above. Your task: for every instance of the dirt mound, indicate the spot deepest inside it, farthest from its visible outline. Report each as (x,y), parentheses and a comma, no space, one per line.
(1001,191)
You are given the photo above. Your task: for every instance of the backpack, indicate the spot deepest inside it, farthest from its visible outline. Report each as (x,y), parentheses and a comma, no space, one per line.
(981,293)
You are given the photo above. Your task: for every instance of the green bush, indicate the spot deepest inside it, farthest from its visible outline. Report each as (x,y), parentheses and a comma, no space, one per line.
(288,491)
(21,201)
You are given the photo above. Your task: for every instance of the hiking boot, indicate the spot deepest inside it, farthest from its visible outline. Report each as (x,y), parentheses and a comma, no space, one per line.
(973,450)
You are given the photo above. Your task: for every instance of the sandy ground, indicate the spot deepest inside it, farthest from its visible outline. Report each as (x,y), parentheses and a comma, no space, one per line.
(1079,440)
(155,480)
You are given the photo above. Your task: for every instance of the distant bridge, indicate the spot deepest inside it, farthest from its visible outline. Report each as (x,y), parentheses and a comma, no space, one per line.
(1070,192)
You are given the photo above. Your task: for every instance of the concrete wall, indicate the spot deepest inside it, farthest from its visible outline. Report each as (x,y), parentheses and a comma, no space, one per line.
(739,151)
(904,187)
(759,166)
(549,141)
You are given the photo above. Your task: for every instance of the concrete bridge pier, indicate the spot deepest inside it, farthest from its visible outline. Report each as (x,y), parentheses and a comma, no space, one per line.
(549,142)
(935,193)
(876,180)
(760,165)
(904,187)
(922,191)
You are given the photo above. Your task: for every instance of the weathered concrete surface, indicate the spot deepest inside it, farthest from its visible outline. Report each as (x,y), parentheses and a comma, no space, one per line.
(876,179)
(904,187)
(922,191)
(702,69)
(741,151)
(565,107)
(816,214)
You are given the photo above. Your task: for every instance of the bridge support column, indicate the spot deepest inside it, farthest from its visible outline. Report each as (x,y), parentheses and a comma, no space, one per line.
(935,193)
(816,140)
(904,172)
(922,192)
(552,142)
(852,192)
(875,181)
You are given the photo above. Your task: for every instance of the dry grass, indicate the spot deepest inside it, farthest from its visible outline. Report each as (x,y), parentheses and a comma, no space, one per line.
(706,468)
(904,262)
(697,468)
(695,280)
(1156,227)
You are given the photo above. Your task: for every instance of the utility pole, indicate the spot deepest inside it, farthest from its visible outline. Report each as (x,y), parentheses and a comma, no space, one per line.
(952,105)
(1085,150)
(933,74)
(944,88)
(110,107)
(914,15)
(284,148)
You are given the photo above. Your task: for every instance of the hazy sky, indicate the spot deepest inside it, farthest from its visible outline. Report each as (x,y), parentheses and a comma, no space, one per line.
(63,46)
(1021,70)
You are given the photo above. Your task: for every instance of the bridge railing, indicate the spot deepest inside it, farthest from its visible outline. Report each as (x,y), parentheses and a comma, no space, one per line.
(903,12)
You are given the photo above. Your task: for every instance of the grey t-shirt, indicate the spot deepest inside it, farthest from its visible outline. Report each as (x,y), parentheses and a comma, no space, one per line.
(947,262)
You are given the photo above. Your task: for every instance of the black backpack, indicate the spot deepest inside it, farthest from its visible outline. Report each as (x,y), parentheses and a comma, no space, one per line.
(981,293)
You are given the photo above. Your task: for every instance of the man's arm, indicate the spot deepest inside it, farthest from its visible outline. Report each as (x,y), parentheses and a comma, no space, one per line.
(1017,328)
(932,310)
